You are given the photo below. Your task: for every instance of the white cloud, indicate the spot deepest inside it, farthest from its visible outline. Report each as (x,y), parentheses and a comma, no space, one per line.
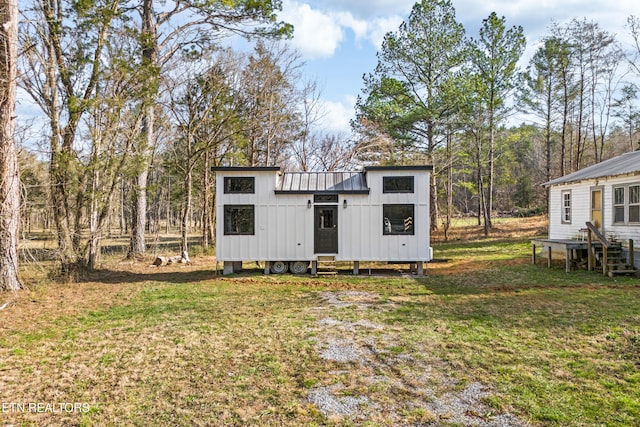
(319,32)
(316,34)
(337,115)
(381,26)
(358,26)
(367,10)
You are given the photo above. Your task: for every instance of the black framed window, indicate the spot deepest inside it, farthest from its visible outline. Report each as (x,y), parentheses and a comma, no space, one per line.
(239,219)
(325,198)
(239,184)
(397,184)
(398,219)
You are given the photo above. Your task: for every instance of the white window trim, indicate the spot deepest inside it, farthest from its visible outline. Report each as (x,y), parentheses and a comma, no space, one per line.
(562,207)
(627,203)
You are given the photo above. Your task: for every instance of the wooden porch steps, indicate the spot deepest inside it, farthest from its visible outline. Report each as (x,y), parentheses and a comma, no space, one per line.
(616,263)
(326,266)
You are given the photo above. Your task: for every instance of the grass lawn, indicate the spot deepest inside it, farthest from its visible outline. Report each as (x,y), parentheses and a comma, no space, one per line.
(134,345)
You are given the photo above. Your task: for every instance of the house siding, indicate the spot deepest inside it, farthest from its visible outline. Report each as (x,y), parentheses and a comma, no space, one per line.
(581,211)
(284,223)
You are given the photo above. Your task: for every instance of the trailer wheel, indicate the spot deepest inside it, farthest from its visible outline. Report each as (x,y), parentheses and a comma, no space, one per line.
(279,267)
(298,267)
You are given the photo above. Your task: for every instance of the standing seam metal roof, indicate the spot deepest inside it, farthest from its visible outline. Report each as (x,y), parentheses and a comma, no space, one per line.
(322,182)
(624,164)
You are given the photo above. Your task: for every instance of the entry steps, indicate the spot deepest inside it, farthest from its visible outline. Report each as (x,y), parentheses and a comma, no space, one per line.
(325,266)
(616,262)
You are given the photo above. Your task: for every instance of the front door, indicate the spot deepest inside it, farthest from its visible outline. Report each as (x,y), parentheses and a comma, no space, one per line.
(326,229)
(596,208)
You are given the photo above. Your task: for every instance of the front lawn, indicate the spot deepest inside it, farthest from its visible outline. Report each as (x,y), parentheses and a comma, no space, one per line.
(179,345)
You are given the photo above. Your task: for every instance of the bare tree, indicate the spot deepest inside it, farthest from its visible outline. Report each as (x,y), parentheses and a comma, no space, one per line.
(9,179)
(182,26)
(270,103)
(204,109)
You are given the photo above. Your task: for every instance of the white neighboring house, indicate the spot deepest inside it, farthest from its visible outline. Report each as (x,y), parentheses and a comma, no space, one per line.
(291,220)
(607,194)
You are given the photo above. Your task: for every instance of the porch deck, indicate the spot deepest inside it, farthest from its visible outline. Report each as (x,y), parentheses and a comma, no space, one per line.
(573,249)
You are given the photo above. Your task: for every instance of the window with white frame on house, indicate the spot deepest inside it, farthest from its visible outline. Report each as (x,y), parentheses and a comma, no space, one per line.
(566,207)
(239,184)
(397,219)
(239,220)
(626,204)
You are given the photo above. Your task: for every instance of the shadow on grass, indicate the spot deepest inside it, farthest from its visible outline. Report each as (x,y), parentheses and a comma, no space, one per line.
(175,277)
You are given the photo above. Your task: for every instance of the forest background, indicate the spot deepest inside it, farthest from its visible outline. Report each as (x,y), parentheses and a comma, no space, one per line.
(141,98)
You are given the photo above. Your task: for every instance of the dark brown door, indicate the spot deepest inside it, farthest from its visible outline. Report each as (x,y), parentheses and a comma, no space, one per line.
(326,230)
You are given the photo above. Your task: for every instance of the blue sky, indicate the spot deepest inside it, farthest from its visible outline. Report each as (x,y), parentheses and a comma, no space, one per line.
(338,40)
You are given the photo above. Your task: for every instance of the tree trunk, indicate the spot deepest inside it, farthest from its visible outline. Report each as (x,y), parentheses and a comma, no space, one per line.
(149,57)
(489,204)
(206,197)
(139,223)
(186,212)
(9,178)
(447,223)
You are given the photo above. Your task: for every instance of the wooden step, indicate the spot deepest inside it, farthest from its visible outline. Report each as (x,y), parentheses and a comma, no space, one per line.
(612,273)
(326,265)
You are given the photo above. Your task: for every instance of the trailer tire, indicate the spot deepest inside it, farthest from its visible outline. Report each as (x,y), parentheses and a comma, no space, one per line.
(279,267)
(298,267)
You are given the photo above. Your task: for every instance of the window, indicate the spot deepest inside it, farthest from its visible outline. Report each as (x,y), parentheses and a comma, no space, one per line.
(566,207)
(239,184)
(325,198)
(626,204)
(634,203)
(397,219)
(397,184)
(618,204)
(239,219)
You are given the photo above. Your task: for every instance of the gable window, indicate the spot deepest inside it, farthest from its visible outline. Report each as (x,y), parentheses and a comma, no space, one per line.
(626,204)
(397,184)
(566,207)
(397,219)
(239,184)
(239,219)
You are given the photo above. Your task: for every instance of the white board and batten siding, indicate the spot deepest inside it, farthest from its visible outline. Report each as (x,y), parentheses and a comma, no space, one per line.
(363,237)
(284,228)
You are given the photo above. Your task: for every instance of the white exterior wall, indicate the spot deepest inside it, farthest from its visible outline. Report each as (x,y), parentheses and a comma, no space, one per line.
(362,238)
(281,231)
(581,209)
(284,224)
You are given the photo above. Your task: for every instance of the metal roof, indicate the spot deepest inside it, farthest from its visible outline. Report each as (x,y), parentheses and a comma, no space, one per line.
(626,164)
(322,182)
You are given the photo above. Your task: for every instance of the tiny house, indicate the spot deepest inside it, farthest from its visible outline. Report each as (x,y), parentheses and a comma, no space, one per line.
(293,220)
(606,194)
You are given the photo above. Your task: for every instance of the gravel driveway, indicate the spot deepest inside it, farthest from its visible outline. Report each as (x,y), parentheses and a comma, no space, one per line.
(373,380)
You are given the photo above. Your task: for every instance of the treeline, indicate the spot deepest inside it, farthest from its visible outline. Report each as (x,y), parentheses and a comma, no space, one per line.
(440,96)
(139,101)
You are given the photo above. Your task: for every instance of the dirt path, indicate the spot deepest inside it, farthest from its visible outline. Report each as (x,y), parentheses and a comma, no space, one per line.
(373,379)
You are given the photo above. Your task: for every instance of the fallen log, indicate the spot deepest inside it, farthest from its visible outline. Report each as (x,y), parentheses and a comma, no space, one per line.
(178,259)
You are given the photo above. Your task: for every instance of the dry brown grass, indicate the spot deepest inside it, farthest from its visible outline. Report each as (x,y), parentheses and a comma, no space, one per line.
(179,345)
